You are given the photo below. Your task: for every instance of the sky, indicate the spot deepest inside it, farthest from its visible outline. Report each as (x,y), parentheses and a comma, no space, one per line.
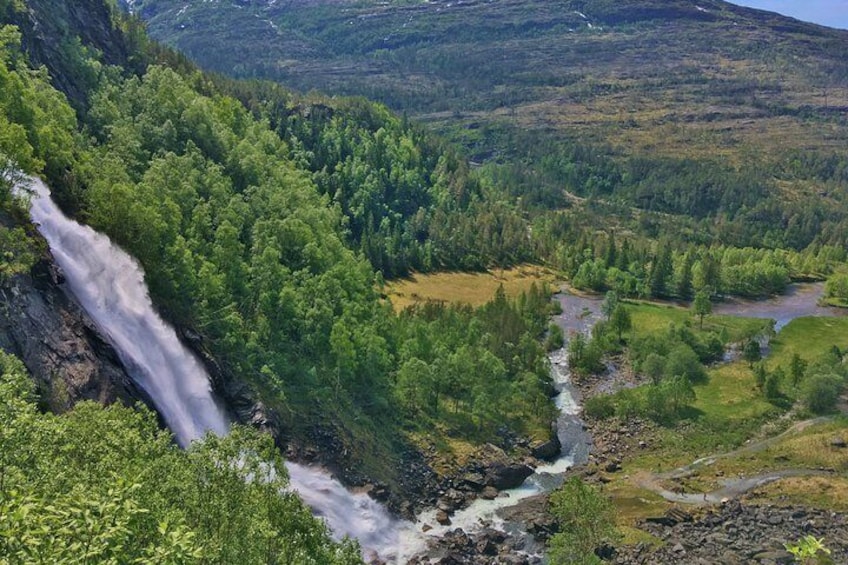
(833,13)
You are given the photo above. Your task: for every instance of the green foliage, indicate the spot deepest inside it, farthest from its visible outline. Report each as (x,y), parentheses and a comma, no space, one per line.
(666,401)
(678,271)
(610,303)
(654,367)
(682,361)
(771,386)
(751,351)
(555,338)
(620,321)
(760,376)
(821,392)
(585,357)
(18,252)
(702,306)
(797,367)
(809,549)
(600,407)
(837,287)
(586,520)
(682,352)
(36,123)
(105,485)
(475,370)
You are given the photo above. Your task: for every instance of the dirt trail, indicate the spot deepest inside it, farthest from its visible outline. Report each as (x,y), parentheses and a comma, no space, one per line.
(731,487)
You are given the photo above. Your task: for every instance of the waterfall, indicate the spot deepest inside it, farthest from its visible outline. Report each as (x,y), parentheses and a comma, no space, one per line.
(109,285)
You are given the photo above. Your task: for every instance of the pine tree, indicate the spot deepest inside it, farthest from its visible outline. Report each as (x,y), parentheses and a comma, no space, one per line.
(661,270)
(684,283)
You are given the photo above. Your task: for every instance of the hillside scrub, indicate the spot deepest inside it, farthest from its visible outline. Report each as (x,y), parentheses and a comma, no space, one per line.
(107,485)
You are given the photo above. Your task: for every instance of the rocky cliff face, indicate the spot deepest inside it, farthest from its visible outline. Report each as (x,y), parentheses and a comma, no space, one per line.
(60,345)
(53,29)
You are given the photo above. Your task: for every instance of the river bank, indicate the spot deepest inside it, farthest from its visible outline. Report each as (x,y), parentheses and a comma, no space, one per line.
(612,446)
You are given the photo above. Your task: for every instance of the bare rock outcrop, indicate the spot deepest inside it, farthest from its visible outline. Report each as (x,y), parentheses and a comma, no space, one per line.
(59,344)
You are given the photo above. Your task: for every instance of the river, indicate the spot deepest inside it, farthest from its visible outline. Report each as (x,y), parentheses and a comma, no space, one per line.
(579,315)
(799,300)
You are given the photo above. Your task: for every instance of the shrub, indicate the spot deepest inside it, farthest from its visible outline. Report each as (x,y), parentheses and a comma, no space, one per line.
(587,521)
(600,407)
(821,392)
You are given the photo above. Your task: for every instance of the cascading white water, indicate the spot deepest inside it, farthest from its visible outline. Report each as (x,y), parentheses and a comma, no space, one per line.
(109,285)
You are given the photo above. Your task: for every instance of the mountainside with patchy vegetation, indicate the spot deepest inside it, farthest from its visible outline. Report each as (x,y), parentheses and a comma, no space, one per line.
(704,110)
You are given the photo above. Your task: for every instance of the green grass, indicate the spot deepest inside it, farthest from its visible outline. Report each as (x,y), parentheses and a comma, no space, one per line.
(728,411)
(653,317)
(809,338)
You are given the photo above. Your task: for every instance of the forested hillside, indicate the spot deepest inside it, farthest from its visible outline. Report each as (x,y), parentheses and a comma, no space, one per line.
(729,119)
(263,222)
(632,147)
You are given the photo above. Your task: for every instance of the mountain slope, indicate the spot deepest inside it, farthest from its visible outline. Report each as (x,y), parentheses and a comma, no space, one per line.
(259,219)
(640,75)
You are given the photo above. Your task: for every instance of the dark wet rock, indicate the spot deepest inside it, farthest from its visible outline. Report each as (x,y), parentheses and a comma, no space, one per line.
(612,466)
(504,476)
(378,492)
(548,450)
(486,546)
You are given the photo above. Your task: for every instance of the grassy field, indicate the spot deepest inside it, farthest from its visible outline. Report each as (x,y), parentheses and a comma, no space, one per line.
(469,288)
(809,337)
(649,317)
(729,411)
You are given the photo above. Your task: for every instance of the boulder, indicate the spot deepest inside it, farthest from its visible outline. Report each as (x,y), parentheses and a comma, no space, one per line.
(547,450)
(504,476)
(443,518)
(612,466)
(489,493)
(474,481)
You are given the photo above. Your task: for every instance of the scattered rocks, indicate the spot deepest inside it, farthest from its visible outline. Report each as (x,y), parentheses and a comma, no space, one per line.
(738,533)
(838,443)
(485,547)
